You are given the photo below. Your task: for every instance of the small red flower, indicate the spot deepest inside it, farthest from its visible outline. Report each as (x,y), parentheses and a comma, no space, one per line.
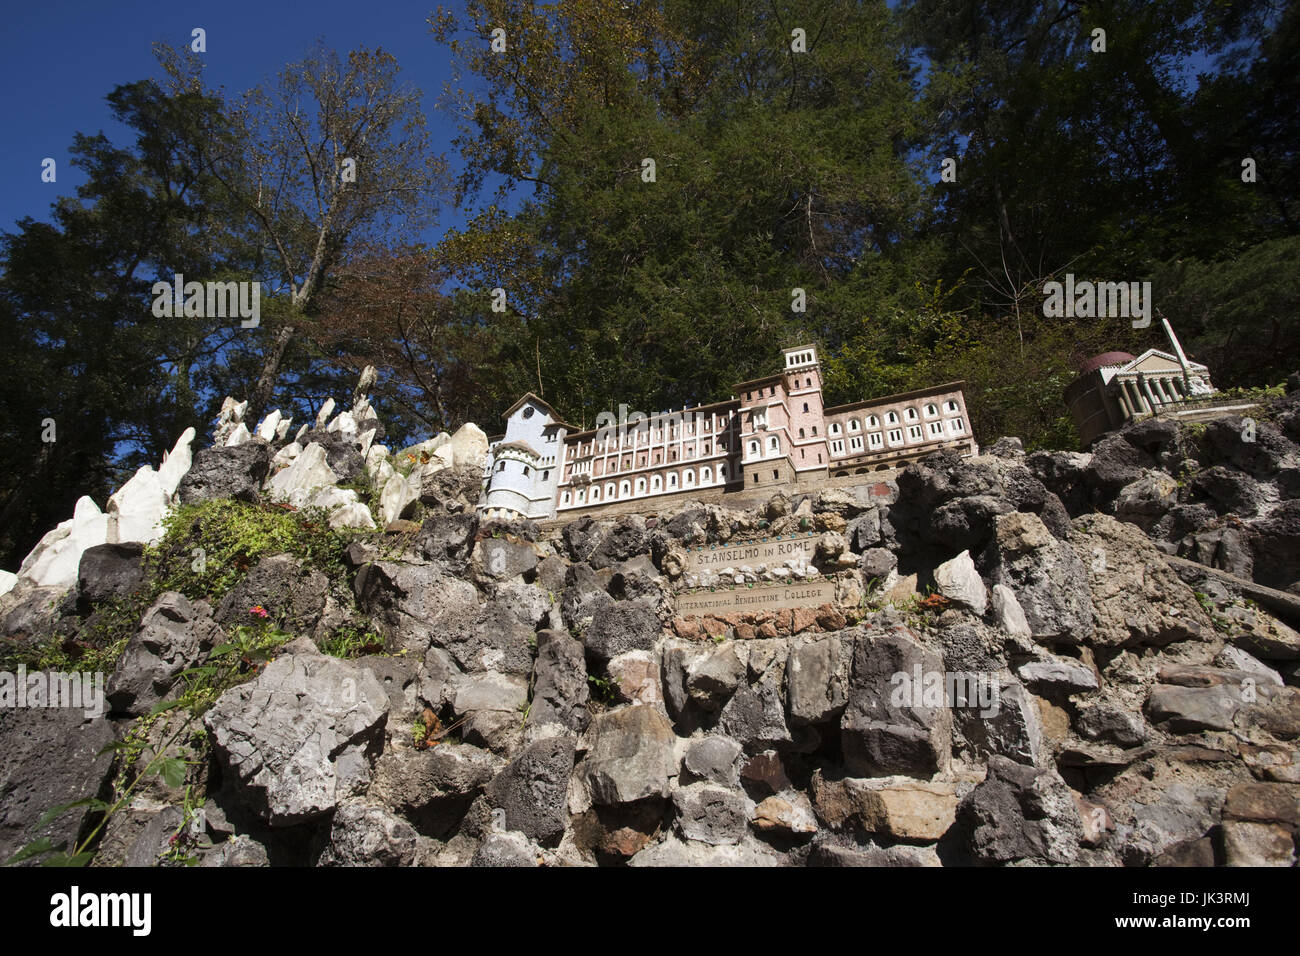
(258,611)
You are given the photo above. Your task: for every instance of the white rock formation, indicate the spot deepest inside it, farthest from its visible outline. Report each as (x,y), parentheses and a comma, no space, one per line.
(238,436)
(469,446)
(397,495)
(267,427)
(958,581)
(56,557)
(325,412)
(309,472)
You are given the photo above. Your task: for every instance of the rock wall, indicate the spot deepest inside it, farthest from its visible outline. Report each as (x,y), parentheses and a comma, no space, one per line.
(1014,672)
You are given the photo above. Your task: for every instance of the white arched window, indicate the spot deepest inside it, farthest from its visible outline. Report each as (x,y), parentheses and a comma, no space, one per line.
(595,494)
(688,478)
(873,421)
(773,444)
(892,418)
(655,483)
(706,475)
(609,491)
(931,410)
(640,486)
(853,425)
(566,498)
(910,414)
(753,448)
(722,472)
(624,489)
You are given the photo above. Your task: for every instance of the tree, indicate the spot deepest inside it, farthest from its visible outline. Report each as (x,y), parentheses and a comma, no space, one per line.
(333,153)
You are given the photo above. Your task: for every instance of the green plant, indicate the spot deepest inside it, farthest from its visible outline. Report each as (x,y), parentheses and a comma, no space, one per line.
(351,641)
(208,547)
(603,689)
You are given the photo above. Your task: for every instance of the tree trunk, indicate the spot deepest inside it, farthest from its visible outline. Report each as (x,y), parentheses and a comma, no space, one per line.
(270,374)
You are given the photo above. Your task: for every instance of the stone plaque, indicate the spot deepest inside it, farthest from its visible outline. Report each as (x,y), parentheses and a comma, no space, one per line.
(767,597)
(769,551)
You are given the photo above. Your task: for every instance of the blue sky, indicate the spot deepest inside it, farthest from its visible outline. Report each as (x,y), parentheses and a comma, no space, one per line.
(60,58)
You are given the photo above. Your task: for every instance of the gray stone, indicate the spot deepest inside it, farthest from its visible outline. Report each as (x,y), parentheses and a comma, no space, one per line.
(501,558)
(1111,723)
(49,756)
(301,736)
(490,691)
(711,814)
(621,626)
(293,595)
(226,472)
(109,571)
(1008,613)
(1137,599)
(365,835)
(411,780)
(533,788)
(816,679)
(174,634)
(878,737)
(237,851)
(674,851)
(630,755)
(755,715)
(714,758)
(713,676)
(560,689)
(1046,576)
(509,849)
(1020,814)
(1058,675)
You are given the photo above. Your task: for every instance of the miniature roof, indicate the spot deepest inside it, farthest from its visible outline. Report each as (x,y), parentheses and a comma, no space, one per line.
(542,404)
(518,446)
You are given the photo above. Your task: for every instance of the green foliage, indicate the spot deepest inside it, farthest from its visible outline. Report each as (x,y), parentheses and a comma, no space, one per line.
(351,641)
(233,536)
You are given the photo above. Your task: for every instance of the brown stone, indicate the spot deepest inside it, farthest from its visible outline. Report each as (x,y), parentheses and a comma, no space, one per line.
(804,618)
(687,628)
(829,618)
(713,627)
(745,632)
(1054,720)
(1196,852)
(1257,844)
(768,630)
(907,811)
(1277,803)
(792,815)
(402,526)
(1272,762)
(766,768)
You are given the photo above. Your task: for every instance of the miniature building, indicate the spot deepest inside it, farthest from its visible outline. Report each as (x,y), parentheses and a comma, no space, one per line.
(773,433)
(1115,388)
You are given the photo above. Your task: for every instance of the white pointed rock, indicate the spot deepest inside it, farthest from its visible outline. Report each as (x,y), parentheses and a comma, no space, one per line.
(469,446)
(176,463)
(325,412)
(397,496)
(285,456)
(7,581)
(238,436)
(57,556)
(266,428)
(958,581)
(1010,615)
(345,425)
(301,432)
(135,511)
(364,441)
(309,472)
(283,428)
